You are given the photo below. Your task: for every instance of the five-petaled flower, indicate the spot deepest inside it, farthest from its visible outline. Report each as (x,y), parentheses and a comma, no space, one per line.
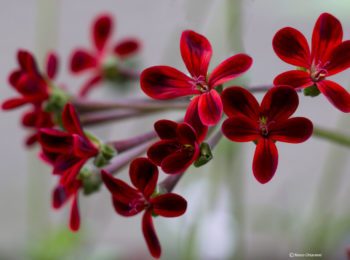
(177,149)
(329,56)
(34,90)
(129,201)
(67,152)
(164,82)
(265,123)
(84,60)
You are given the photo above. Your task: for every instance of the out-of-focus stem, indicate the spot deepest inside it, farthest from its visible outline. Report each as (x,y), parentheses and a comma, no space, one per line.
(123,145)
(129,73)
(332,136)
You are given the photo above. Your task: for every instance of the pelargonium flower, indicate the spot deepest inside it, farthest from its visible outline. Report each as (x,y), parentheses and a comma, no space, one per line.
(67,151)
(33,89)
(85,60)
(164,82)
(265,123)
(178,147)
(129,201)
(329,55)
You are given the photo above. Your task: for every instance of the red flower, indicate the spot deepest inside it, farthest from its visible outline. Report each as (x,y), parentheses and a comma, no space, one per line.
(178,147)
(83,60)
(329,55)
(128,201)
(265,123)
(33,89)
(68,151)
(163,82)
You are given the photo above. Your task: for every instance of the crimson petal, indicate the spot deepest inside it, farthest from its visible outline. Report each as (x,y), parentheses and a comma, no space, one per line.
(196,53)
(241,129)
(14,103)
(265,160)
(327,33)
(296,78)
(128,209)
(238,101)
(339,58)
(166,129)
(71,120)
(65,162)
(89,85)
(31,139)
(178,162)
(150,234)
(292,130)
(164,82)
(158,151)
(169,205)
(279,103)
(51,65)
(229,69)
(210,107)
(59,197)
(102,29)
(127,48)
(292,47)
(55,141)
(14,77)
(83,147)
(144,175)
(186,133)
(192,118)
(336,94)
(82,60)
(74,221)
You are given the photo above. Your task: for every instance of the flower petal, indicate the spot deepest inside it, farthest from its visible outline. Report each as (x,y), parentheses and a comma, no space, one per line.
(163,82)
(83,147)
(327,33)
(169,205)
(63,163)
(192,118)
(241,129)
(128,209)
(127,48)
(339,58)
(82,60)
(74,221)
(336,94)
(178,162)
(31,139)
(71,120)
(27,62)
(102,30)
(279,103)
(51,65)
(55,141)
(14,77)
(292,130)
(14,103)
(238,101)
(150,234)
(144,175)
(90,84)
(210,107)
(59,197)
(230,69)
(196,53)
(265,160)
(295,78)
(186,133)
(291,46)
(160,150)
(165,129)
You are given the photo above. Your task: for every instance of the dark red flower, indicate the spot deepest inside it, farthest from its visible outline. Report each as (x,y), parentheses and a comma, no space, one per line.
(163,82)
(329,56)
(178,147)
(84,60)
(265,123)
(129,201)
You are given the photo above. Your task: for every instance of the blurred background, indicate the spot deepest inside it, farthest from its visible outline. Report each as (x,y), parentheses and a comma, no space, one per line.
(304,209)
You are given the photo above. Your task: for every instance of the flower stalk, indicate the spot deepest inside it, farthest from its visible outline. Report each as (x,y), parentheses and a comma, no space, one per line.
(331,135)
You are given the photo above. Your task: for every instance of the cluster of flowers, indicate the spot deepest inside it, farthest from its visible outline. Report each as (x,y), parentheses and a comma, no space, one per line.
(68,148)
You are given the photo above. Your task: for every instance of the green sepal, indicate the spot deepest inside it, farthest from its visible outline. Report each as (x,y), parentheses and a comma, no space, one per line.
(302,69)
(205,155)
(219,88)
(91,181)
(311,91)
(105,154)
(58,99)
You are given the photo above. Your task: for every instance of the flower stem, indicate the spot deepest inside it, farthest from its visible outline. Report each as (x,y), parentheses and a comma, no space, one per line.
(331,135)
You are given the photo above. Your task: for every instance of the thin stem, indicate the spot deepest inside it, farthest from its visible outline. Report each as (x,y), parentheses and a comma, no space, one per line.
(84,105)
(331,135)
(213,140)
(93,118)
(123,145)
(129,73)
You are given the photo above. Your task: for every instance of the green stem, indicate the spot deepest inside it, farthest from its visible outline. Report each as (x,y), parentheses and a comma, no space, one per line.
(331,135)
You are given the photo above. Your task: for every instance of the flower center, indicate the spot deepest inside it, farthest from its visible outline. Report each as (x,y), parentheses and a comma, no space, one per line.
(200,83)
(319,72)
(137,204)
(264,126)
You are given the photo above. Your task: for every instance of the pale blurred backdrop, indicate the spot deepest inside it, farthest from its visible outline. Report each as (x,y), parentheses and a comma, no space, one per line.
(304,209)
